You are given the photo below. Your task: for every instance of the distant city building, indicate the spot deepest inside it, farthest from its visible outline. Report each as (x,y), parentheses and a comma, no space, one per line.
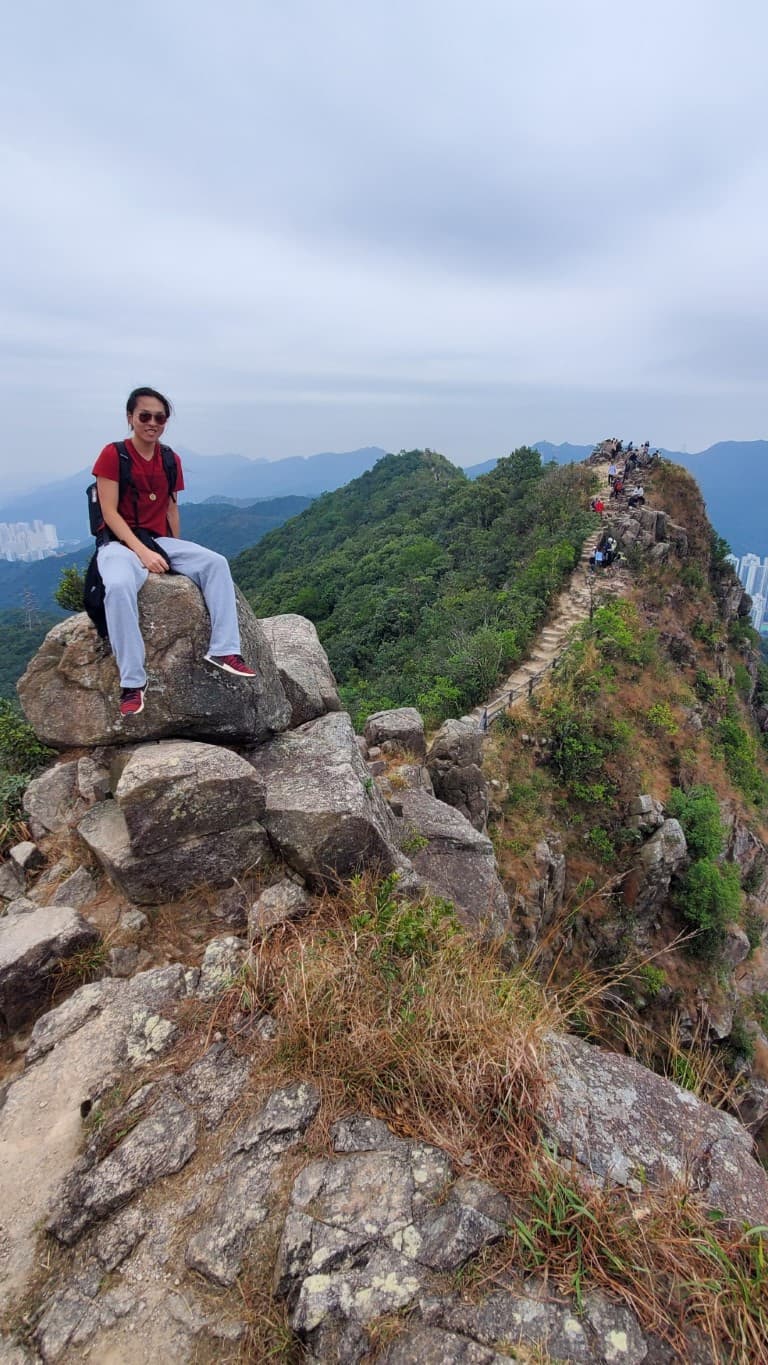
(752,572)
(27,539)
(758,611)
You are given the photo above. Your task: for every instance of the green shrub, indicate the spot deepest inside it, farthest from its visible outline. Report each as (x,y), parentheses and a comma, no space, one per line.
(708,632)
(708,897)
(742,681)
(699,814)
(740,1045)
(740,754)
(692,577)
(616,630)
(20,750)
(71,589)
(759,1003)
(600,843)
(652,980)
(660,718)
(754,926)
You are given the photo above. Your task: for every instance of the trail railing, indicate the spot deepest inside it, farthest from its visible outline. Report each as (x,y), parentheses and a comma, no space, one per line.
(502,703)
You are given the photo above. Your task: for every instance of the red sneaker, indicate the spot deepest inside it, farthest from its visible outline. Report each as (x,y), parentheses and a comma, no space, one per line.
(231,663)
(131,701)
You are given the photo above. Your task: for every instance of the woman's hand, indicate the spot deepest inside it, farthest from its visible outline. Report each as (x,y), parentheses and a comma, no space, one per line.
(153,561)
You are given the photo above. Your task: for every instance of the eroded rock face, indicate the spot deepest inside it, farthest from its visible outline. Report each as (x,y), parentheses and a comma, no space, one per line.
(162,1141)
(77,1052)
(542,900)
(625,1124)
(70,691)
(337,1264)
(303,666)
(319,804)
(455,861)
(454,762)
(32,947)
(217,1249)
(401,729)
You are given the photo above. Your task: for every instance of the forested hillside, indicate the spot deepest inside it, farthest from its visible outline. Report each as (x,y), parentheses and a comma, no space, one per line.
(425,585)
(19,640)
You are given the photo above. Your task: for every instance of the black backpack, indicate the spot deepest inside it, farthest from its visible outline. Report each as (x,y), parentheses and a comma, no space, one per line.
(95,517)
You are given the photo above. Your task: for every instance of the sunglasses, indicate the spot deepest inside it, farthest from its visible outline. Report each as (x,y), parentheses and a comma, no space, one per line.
(158,418)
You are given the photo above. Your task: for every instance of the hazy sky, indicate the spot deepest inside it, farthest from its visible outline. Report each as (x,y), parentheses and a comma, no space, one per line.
(325,225)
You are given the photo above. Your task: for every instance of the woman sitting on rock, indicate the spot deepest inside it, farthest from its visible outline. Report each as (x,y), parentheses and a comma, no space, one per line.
(140,536)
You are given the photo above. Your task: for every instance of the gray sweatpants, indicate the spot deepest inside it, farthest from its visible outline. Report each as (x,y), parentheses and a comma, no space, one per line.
(124,574)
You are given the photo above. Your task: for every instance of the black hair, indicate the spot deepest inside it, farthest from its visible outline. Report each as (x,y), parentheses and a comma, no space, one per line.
(136,394)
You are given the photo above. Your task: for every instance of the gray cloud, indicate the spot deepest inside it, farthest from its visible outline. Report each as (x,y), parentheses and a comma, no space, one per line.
(320,226)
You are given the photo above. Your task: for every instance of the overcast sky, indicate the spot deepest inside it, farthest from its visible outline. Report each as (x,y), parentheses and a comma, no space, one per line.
(319,226)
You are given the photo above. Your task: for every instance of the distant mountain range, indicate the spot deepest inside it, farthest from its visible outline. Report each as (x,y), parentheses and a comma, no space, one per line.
(731,475)
(226,476)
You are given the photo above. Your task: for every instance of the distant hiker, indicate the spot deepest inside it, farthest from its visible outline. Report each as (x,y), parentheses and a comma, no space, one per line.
(636,496)
(140,535)
(612,472)
(618,486)
(599,506)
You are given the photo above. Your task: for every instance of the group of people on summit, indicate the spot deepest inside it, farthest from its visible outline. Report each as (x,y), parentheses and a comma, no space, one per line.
(606,550)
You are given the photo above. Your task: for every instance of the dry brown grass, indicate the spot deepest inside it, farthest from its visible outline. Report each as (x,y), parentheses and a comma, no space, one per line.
(395,1008)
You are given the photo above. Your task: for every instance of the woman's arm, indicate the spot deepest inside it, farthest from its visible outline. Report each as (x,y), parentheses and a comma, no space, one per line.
(109,492)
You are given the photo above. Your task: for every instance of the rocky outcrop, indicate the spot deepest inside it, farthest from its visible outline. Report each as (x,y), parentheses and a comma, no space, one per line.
(303,666)
(70,691)
(455,764)
(455,861)
(400,730)
(646,885)
(625,1126)
(540,903)
(33,948)
(319,804)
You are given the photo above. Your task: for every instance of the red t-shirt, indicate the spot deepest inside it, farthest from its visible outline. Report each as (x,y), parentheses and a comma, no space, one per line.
(150,482)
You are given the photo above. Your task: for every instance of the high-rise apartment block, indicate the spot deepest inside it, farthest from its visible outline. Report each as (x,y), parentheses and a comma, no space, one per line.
(27,539)
(752,572)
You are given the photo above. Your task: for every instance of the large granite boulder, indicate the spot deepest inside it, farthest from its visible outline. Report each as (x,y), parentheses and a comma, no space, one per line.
(211,859)
(184,814)
(400,730)
(32,948)
(70,691)
(179,790)
(455,765)
(303,666)
(455,861)
(319,804)
(625,1125)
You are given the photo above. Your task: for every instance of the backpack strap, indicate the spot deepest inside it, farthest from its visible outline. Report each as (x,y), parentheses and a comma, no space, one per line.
(125,479)
(171,469)
(126,476)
